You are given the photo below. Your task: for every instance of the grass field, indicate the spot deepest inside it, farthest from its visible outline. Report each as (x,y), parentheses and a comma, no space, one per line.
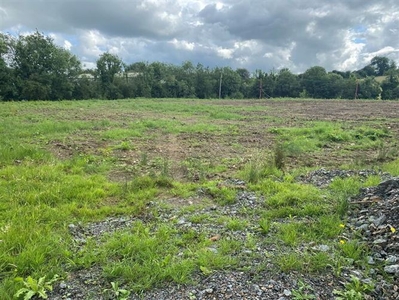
(67,162)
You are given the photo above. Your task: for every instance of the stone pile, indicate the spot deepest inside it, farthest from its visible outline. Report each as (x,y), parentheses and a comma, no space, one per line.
(374,216)
(323,177)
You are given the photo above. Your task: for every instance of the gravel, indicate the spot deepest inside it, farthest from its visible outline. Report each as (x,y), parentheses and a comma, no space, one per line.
(373,218)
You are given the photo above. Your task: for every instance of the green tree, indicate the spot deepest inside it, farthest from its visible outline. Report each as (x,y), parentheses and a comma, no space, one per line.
(231,82)
(8,89)
(332,84)
(381,64)
(348,88)
(108,65)
(86,88)
(206,85)
(369,88)
(314,81)
(142,81)
(43,70)
(287,84)
(256,89)
(390,86)
(186,79)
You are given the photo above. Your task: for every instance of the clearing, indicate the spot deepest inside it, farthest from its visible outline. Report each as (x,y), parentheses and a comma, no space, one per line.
(199,199)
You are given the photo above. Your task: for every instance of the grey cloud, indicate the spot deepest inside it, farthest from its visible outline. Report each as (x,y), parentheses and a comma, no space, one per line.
(124,18)
(297,34)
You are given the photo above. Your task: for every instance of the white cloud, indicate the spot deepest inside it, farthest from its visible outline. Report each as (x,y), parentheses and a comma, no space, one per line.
(67,45)
(343,34)
(181,44)
(93,43)
(386,51)
(350,57)
(225,53)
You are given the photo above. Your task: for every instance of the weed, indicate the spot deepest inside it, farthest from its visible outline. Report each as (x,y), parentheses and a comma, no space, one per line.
(264,225)
(205,270)
(317,262)
(342,189)
(253,172)
(290,262)
(392,167)
(165,170)
(222,195)
(279,156)
(197,219)
(183,190)
(250,242)
(194,169)
(354,290)
(262,167)
(124,146)
(236,224)
(56,159)
(143,159)
(289,233)
(116,292)
(353,250)
(307,262)
(303,292)
(33,287)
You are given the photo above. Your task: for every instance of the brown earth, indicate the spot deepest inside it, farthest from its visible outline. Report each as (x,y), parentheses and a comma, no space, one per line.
(246,138)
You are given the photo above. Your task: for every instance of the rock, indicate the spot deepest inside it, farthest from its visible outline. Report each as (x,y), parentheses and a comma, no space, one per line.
(379,221)
(391,259)
(388,185)
(287,293)
(379,241)
(373,215)
(370,260)
(392,269)
(322,248)
(63,285)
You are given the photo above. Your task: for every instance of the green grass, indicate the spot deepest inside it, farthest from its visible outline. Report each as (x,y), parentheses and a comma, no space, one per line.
(318,135)
(77,162)
(392,167)
(149,256)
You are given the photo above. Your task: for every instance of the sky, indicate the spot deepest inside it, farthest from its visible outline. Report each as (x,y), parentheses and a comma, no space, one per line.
(252,34)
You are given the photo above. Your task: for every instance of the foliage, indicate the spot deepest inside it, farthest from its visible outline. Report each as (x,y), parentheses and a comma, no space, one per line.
(108,65)
(33,287)
(32,67)
(42,69)
(354,290)
(303,292)
(117,292)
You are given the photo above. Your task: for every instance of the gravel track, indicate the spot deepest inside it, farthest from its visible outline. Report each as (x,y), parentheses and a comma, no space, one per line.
(372,216)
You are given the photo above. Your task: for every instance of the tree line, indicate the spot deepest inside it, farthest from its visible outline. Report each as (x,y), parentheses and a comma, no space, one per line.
(33,67)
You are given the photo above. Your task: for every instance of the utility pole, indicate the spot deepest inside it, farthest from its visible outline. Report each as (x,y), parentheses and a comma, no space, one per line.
(260,85)
(357,89)
(220,85)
